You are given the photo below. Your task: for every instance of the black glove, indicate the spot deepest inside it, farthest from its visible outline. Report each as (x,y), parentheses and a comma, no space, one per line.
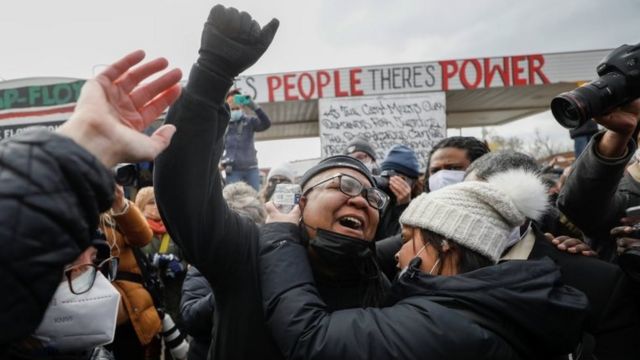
(232,41)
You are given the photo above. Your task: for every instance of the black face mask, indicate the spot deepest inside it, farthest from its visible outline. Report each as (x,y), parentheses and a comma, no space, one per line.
(345,261)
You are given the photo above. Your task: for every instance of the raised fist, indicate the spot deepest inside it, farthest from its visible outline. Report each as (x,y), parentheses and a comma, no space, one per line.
(232,41)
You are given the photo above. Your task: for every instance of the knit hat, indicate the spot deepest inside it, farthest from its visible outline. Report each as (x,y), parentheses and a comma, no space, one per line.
(402,159)
(284,169)
(480,215)
(360,144)
(337,161)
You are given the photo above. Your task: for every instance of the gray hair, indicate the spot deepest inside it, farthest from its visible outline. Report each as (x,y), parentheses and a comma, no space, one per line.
(501,161)
(244,200)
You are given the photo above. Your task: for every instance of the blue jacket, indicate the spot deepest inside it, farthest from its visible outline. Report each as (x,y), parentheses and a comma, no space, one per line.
(239,145)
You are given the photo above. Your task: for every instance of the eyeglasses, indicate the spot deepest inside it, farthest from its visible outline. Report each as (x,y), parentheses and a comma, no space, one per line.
(279,180)
(350,186)
(82,276)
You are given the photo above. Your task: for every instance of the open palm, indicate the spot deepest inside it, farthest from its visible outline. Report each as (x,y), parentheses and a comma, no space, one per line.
(115,107)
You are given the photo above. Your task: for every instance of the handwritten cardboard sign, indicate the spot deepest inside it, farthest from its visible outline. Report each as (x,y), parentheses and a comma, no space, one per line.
(418,121)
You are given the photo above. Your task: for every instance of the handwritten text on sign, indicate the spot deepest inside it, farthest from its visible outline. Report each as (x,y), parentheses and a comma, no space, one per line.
(415,121)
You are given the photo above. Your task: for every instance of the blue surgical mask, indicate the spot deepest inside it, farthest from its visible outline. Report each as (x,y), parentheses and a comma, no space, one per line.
(236,115)
(445,178)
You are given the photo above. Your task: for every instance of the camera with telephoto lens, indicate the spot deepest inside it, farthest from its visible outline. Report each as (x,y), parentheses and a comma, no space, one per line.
(618,84)
(382,180)
(174,340)
(125,174)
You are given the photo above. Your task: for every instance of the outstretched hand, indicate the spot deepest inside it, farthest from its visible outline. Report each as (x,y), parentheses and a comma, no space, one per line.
(114,108)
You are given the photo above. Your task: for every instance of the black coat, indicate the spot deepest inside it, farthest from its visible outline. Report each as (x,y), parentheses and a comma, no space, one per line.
(197,305)
(613,318)
(596,194)
(220,243)
(514,310)
(51,195)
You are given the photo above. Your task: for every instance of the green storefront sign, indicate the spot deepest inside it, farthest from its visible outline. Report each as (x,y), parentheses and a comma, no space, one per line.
(38,96)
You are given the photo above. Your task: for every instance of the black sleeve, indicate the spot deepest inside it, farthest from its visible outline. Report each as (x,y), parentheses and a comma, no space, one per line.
(591,197)
(188,184)
(51,195)
(262,122)
(197,304)
(386,250)
(302,327)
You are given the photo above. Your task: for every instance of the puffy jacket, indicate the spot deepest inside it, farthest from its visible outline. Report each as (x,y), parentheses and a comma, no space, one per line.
(239,143)
(196,307)
(514,310)
(126,231)
(51,195)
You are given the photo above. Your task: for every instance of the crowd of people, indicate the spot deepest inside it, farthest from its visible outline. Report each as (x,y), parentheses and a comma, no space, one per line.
(482,255)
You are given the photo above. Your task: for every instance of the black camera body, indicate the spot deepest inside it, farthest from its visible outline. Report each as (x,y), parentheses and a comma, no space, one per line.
(382,180)
(618,84)
(125,174)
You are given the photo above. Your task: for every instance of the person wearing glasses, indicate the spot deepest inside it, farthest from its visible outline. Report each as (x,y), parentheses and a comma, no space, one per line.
(82,314)
(451,299)
(341,206)
(138,323)
(55,185)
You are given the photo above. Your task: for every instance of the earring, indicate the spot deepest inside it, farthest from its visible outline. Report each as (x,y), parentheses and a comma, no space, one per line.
(445,245)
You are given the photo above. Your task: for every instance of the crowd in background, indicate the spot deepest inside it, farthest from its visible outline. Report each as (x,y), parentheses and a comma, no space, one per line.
(481,254)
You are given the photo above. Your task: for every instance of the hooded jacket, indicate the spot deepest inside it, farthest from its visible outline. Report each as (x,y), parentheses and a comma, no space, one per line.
(513,310)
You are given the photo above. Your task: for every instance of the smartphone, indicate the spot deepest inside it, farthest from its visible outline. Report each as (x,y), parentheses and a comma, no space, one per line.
(633,211)
(241,99)
(286,196)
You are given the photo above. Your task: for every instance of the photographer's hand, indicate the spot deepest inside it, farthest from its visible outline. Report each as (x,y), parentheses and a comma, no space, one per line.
(400,189)
(119,201)
(114,108)
(625,238)
(620,125)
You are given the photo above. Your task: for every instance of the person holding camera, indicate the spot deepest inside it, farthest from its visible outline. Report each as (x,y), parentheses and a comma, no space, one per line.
(138,322)
(239,159)
(399,173)
(599,190)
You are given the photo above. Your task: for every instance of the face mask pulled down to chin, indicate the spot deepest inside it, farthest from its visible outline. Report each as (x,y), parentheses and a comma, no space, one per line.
(347,262)
(80,322)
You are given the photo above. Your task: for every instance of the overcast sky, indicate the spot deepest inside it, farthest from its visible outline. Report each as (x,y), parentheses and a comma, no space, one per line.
(73,37)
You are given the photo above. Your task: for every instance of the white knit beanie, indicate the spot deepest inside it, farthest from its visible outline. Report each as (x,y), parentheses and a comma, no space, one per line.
(283,169)
(480,215)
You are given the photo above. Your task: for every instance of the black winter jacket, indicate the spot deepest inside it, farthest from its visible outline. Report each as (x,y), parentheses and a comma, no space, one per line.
(220,243)
(596,194)
(51,195)
(196,308)
(514,310)
(613,319)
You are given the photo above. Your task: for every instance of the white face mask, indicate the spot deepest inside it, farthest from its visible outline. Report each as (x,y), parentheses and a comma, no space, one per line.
(515,236)
(236,115)
(80,322)
(445,178)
